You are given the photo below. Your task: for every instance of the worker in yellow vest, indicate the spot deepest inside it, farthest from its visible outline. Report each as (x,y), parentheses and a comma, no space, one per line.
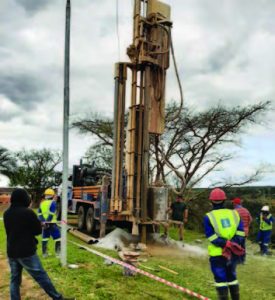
(48,218)
(225,233)
(265,230)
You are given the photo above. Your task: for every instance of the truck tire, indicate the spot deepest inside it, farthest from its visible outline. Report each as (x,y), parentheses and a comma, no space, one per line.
(81,218)
(90,221)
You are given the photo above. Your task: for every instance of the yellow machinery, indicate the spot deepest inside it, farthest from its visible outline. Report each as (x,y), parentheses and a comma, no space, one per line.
(149,60)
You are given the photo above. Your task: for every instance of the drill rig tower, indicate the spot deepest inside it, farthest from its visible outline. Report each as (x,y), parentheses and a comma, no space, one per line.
(149,60)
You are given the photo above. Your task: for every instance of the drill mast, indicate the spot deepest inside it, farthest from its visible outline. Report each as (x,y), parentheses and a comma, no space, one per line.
(149,60)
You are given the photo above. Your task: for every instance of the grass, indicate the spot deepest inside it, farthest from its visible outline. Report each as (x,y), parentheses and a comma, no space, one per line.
(95,280)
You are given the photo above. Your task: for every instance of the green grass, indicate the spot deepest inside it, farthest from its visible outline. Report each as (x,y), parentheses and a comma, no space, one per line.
(95,280)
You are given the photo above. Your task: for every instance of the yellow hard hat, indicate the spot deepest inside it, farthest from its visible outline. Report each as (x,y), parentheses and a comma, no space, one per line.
(49,192)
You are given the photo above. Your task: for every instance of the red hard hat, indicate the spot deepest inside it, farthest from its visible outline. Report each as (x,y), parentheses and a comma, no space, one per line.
(236,201)
(217,195)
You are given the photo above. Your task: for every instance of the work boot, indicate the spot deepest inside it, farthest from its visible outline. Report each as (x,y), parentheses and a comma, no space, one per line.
(234,292)
(44,249)
(57,248)
(222,293)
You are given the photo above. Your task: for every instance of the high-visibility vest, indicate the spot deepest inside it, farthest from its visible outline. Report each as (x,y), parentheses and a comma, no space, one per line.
(225,223)
(263,225)
(45,210)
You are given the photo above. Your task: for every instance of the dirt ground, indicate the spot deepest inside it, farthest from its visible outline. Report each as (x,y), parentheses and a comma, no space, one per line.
(3,207)
(29,289)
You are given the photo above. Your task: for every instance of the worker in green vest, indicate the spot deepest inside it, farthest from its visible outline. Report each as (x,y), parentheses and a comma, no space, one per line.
(48,218)
(225,233)
(265,230)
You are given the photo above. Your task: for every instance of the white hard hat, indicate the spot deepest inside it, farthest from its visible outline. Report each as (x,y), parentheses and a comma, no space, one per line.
(265,208)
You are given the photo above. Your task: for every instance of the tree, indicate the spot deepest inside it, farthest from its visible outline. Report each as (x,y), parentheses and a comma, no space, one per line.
(7,162)
(101,128)
(190,148)
(101,155)
(36,171)
(191,145)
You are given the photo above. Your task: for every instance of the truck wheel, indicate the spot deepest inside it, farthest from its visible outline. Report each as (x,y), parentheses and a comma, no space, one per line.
(90,221)
(81,218)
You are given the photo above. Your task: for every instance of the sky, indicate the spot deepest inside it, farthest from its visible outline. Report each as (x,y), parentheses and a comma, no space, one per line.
(224,49)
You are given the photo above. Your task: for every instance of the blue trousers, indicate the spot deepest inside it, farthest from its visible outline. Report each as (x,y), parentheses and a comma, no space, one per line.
(224,272)
(34,267)
(51,230)
(263,238)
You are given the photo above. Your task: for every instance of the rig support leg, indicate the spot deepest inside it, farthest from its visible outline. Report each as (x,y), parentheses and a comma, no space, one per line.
(143,234)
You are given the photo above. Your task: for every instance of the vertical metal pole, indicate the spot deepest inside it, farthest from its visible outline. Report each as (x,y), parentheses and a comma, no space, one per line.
(145,151)
(65,137)
(118,145)
(104,206)
(114,171)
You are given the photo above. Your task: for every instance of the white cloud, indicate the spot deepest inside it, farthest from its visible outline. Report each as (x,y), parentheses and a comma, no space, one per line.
(224,51)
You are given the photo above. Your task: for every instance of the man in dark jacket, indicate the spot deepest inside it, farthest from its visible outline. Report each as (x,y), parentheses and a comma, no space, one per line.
(22,225)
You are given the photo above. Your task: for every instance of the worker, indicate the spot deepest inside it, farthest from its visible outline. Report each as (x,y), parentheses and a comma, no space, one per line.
(244,214)
(265,230)
(179,213)
(22,225)
(224,230)
(48,218)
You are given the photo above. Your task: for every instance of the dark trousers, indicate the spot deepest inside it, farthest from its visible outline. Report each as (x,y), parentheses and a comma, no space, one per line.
(224,272)
(51,230)
(263,238)
(34,267)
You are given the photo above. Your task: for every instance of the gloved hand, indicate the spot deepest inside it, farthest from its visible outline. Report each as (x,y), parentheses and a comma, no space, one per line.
(232,248)
(226,252)
(237,249)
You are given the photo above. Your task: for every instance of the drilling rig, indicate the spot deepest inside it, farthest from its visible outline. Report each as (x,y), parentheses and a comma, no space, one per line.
(149,61)
(131,199)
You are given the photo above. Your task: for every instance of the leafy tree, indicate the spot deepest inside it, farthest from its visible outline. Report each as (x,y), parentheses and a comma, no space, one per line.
(101,155)
(7,162)
(191,144)
(101,128)
(36,171)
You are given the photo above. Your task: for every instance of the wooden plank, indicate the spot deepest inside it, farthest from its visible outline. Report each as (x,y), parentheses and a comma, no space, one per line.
(169,270)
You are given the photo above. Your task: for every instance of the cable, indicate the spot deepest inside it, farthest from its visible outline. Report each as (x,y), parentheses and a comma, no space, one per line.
(168,31)
(117,28)
(178,79)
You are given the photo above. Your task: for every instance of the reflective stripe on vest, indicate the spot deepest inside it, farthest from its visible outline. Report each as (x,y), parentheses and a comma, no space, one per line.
(45,210)
(225,223)
(263,225)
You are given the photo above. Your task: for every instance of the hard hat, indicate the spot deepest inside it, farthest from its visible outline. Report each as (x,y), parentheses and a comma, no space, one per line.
(265,208)
(237,201)
(49,192)
(217,195)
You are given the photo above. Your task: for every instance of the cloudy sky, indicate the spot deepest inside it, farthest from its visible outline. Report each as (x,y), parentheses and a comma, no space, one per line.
(225,51)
